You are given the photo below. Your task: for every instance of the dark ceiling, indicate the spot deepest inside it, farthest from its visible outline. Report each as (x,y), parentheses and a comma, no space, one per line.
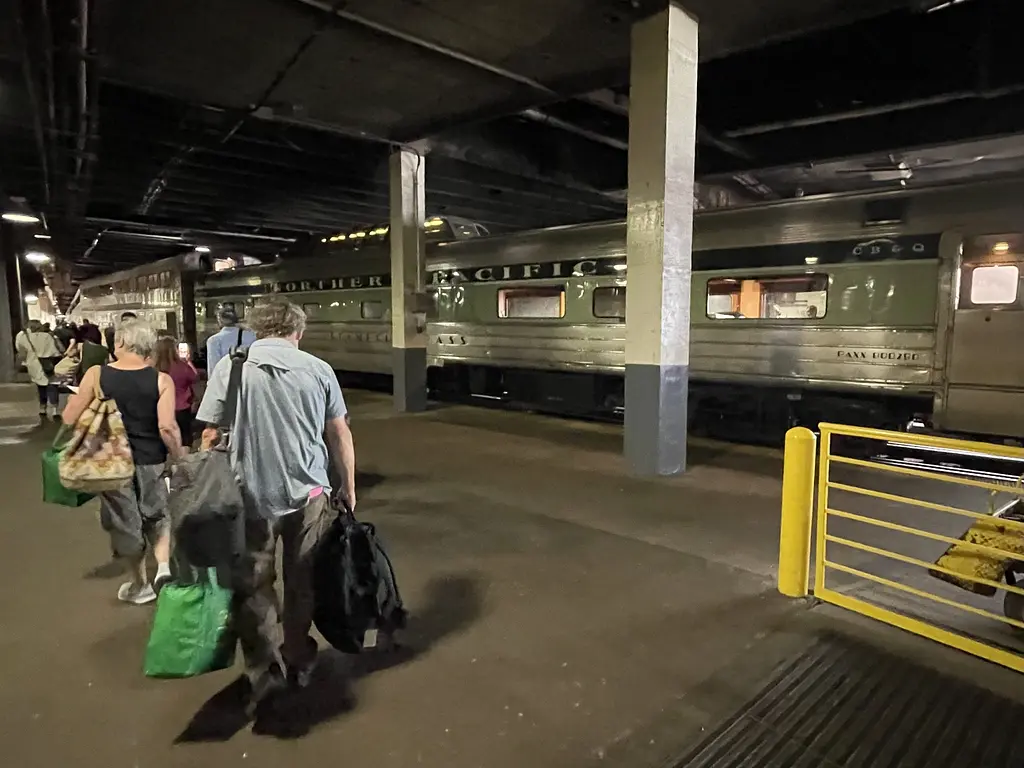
(259,125)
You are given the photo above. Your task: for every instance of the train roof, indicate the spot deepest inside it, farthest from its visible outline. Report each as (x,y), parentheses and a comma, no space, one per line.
(822,217)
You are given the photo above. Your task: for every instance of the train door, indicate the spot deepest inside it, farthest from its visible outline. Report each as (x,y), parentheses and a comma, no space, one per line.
(985,371)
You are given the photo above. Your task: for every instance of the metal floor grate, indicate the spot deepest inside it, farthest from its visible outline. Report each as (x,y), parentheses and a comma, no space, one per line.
(849,705)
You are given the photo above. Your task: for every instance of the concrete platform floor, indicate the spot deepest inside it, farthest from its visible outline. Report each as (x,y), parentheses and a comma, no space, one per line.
(564,613)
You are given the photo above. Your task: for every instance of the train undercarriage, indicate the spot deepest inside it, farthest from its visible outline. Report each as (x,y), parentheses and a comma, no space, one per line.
(748,413)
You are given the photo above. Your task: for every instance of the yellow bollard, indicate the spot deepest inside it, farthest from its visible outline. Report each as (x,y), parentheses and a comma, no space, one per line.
(797,512)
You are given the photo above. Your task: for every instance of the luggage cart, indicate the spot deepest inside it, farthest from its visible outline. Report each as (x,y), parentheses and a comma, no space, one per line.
(970,562)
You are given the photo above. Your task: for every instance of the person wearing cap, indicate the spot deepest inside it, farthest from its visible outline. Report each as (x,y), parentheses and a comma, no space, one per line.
(229,338)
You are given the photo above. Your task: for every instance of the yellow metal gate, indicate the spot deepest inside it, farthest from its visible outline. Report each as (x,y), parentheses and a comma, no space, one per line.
(973,561)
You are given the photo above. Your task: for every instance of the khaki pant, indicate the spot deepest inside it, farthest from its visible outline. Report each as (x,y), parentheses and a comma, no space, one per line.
(267,634)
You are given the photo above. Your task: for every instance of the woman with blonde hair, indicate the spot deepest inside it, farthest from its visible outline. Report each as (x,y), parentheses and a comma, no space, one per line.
(136,516)
(167,360)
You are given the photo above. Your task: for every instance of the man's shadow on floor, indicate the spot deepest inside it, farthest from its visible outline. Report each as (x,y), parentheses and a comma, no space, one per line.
(453,603)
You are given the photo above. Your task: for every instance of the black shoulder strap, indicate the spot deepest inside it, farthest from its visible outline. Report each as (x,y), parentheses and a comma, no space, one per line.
(227,420)
(238,343)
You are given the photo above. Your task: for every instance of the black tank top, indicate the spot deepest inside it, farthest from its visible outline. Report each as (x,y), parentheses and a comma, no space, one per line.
(136,394)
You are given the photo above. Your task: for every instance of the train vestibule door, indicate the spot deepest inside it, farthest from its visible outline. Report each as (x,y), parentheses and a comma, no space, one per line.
(985,367)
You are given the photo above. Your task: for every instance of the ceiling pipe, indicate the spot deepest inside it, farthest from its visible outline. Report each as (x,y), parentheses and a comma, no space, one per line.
(538,116)
(33,96)
(883,109)
(428,45)
(88,113)
(529,114)
(610,101)
(158,184)
(83,86)
(166,228)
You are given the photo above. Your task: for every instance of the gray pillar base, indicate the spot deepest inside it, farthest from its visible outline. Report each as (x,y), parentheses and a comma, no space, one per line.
(409,368)
(655,429)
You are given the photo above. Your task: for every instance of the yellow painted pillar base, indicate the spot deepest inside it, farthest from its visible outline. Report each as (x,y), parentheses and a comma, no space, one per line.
(797,512)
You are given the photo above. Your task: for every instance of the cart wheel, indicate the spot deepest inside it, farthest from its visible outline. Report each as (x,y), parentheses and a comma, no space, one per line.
(1013,607)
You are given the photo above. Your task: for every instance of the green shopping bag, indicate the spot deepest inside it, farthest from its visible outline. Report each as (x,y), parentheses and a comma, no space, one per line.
(191,632)
(54,491)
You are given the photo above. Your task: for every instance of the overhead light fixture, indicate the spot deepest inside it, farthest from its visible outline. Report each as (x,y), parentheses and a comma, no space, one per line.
(811,260)
(323,239)
(202,249)
(20,218)
(41,236)
(37,257)
(142,235)
(931,6)
(31,298)
(1001,248)
(619,267)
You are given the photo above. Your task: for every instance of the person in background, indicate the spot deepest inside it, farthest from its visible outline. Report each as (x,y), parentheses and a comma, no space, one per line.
(167,360)
(32,344)
(89,332)
(108,335)
(65,335)
(229,338)
(91,354)
(136,515)
(291,431)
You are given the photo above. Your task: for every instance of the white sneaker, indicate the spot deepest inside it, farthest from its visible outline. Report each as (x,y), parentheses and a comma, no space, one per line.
(51,411)
(130,592)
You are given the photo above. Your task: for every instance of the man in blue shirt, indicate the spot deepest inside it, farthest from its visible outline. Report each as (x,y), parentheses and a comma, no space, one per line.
(290,436)
(229,338)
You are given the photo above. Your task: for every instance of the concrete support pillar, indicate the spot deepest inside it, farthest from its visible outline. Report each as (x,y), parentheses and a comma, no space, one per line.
(408,322)
(662,142)
(7,357)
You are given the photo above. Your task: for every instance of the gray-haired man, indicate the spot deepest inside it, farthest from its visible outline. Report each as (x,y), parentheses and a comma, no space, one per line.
(290,430)
(229,338)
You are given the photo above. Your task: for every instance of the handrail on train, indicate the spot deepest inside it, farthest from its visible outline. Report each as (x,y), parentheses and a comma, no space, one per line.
(807,511)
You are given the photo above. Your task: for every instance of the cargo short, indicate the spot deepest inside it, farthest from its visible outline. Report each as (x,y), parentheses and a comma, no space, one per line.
(136,515)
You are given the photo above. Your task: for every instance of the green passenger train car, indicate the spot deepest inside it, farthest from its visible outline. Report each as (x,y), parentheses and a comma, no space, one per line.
(873,309)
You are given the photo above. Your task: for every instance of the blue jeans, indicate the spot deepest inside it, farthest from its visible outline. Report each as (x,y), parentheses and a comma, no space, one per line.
(47,394)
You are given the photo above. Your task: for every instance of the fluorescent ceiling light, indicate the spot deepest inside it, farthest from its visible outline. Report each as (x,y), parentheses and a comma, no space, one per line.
(37,257)
(20,218)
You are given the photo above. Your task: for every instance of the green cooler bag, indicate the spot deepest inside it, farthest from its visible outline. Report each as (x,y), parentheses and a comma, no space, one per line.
(191,632)
(54,491)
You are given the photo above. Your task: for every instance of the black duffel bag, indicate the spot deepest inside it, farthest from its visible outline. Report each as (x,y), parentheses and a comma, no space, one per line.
(357,604)
(205,498)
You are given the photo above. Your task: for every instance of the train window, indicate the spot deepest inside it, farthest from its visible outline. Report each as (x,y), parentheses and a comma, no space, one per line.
(372,310)
(610,303)
(770,298)
(995,285)
(311,310)
(543,303)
